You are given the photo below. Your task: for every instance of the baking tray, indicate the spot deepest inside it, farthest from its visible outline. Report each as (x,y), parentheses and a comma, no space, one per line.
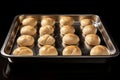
(10,42)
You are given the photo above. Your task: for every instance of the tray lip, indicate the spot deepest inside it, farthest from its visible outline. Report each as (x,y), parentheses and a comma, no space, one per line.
(13,56)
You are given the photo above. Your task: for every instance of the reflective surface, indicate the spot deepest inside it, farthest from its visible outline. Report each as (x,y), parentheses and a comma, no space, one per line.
(57,71)
(46,71)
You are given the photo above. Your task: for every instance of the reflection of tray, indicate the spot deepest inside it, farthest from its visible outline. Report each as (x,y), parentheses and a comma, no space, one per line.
(10,42)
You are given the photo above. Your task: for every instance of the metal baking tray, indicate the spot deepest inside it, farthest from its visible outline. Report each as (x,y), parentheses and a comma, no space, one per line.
(10,42)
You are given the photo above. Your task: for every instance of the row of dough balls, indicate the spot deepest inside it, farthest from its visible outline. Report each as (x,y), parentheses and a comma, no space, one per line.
(26,40)
(70,41)
(48,49)
(46,40)
(89,33)
(92,40)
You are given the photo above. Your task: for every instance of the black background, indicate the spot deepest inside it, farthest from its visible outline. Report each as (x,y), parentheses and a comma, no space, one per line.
(108,12)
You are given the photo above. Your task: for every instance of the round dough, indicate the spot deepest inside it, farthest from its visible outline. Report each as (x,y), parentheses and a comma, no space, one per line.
(48,50)
(84,17)
(47,21)
(29,21)
(99,50)
(66,20)
(72,50)
(85,22)
(21,17)
(25,40)
(66,29)
(89,29)
(70,39)
(23,51)
(28,30)
(92,39)
(47,29)
(46,40)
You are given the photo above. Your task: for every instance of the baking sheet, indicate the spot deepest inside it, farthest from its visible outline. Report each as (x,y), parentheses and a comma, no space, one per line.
(10,43)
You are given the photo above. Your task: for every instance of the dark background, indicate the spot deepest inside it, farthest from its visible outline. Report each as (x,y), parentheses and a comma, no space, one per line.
(108,12)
